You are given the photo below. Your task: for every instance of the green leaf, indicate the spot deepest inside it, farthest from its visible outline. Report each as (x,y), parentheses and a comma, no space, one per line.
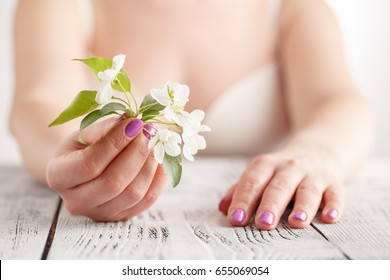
(90,119)
(108,109)
(150,102)
(173,168)
(111,108)
(97,64)
(150,108)
(81,105)
(149,115)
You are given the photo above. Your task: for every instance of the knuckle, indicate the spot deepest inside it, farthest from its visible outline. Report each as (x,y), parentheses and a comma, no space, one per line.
(134,194)
(310,188)
(263,159)
(115,143)
(249,185)
(112,184)
(142,150)
(89,166)
(280,184)
(150,198)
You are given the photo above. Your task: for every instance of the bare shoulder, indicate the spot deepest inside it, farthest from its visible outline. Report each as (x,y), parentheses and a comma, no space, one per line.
(305,12)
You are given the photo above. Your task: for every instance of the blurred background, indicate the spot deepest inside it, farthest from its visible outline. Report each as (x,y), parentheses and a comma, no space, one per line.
(366,29)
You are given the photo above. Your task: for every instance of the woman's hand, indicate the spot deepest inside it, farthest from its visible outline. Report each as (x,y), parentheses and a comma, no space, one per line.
(113,178)
(271,181)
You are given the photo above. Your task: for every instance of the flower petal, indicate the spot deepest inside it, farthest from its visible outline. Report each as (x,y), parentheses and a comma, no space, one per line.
(161,96)
(187,153)
(159,153)
(204,127)
(107,75)
(168,113)
(175,137)
(152,142)
(117,62)
(181,95)
(172,148)
(197,115)
(199,141)
(180,119)
(104,94)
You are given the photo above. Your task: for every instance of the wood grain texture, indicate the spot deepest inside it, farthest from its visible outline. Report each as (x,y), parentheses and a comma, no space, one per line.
(185,224)
(364,231)
(26,213)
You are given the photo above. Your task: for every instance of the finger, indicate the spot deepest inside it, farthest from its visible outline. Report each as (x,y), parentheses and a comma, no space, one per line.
(277,195)
(117,176)
(97,130)
(134,192)
(249,188)
(157,186)
(226,200)
(86,164)
(333,204)
(307,201)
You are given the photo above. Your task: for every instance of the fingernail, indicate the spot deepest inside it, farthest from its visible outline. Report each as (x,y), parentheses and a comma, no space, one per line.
(300,215)
(220,204)
(332,213)
(133,128)
(238,215)
(147,127)
(267,218)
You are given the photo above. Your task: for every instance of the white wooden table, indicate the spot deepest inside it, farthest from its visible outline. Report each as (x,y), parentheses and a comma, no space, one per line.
(185,222)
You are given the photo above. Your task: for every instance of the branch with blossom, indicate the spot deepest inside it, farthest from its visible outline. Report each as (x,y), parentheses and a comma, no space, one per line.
(173,132)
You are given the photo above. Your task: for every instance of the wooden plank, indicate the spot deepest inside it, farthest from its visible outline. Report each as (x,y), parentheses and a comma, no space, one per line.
(185,224)
(26,213)
(364,232)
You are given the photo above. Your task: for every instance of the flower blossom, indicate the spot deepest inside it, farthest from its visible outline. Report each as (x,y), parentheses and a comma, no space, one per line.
(173,96)
(191,138)
(104,94)
(165,141)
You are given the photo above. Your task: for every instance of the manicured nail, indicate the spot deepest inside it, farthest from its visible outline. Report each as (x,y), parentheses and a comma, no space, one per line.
(147,127)
(133,128)
(238,215)
(267,218)
(332,213)
(300,215)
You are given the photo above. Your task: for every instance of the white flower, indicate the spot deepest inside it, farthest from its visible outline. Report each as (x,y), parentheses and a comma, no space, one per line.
(165,141)
(104,93)
(173,96)
(191,138)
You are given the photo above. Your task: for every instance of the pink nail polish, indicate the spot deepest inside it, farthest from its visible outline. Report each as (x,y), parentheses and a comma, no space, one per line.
(267,218)
(332,213)
(300,215)
(238,215)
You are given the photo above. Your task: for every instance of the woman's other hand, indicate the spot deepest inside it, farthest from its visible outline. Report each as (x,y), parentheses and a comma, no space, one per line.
(271,181)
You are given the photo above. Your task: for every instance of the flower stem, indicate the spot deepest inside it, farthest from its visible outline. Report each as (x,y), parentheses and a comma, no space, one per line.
(143,109)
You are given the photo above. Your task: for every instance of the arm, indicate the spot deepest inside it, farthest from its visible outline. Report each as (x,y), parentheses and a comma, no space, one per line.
(48,35)
(324,104)
(113,178)
(330,122)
